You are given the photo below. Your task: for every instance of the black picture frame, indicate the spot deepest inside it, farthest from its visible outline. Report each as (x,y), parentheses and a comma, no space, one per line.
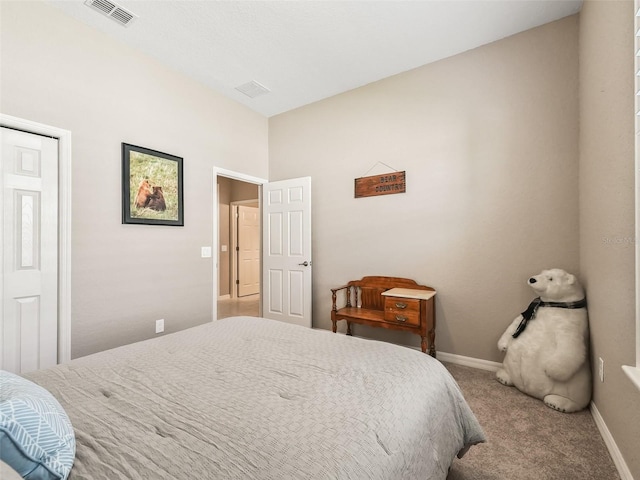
(152,190)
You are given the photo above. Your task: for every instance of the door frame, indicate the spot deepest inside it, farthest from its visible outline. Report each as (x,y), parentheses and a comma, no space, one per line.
(64,222)
(234,241)
(222,172)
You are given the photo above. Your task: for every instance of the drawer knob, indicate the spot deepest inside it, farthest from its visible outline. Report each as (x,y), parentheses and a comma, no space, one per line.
(400,318)
(401,305)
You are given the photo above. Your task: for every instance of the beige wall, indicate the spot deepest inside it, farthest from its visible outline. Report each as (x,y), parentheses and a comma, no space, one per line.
(244,191)
(489,142)
(59,72)
(607,225)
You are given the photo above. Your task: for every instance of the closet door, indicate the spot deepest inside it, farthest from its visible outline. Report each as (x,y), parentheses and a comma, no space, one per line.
(29,285)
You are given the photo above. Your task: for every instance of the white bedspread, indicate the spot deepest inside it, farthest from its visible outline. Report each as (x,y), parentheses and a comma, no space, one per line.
(249,398)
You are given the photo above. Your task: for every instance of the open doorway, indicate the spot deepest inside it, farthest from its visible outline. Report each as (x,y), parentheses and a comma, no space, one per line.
(239,248)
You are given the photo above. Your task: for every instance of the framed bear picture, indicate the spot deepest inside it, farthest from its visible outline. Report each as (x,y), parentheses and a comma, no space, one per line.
(151,187)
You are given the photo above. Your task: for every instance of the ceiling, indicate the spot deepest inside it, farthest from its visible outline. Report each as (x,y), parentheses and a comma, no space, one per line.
(305,50)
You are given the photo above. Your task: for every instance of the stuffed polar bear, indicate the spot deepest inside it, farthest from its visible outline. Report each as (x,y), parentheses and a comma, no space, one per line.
(547,345)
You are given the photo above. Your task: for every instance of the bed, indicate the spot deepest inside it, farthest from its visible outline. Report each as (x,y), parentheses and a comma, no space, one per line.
(251,398)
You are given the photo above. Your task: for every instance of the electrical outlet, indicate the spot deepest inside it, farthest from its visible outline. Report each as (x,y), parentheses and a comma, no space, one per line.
(160,325)
(601,369)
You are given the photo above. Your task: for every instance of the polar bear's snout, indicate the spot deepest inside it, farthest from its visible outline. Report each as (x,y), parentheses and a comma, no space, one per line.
(532,280)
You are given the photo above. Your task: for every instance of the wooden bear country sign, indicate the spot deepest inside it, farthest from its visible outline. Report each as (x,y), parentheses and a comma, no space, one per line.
(384,184)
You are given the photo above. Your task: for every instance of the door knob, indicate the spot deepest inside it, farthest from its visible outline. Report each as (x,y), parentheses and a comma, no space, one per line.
(305,263)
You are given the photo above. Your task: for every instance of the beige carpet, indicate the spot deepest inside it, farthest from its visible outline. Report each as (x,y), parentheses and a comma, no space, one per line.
(525,439)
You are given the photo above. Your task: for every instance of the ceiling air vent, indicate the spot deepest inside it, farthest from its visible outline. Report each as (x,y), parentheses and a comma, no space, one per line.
(112,10)
(253,89)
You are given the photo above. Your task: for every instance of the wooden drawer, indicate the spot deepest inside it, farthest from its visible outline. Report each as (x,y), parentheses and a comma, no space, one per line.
(404,311)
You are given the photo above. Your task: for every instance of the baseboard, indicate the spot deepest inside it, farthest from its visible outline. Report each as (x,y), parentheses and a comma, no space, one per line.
(224,297)
(618,460)
(468,361)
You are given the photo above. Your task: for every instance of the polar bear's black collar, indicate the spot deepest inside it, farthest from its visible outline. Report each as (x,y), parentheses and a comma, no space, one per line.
(530,312)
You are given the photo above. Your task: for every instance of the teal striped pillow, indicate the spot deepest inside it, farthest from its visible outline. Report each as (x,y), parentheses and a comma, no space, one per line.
(36,436)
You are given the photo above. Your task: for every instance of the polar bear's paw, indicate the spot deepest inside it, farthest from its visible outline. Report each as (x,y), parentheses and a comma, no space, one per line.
(504,378)
(561,404)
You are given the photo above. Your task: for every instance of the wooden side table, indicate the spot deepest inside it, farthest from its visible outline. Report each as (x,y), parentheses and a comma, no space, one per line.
(412,310)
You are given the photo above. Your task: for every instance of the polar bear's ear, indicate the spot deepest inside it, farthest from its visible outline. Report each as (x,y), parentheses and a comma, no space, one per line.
(571,279)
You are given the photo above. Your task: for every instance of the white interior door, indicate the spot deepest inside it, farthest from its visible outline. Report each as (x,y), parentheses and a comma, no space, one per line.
(29,325)
(286,257)
(248,250)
